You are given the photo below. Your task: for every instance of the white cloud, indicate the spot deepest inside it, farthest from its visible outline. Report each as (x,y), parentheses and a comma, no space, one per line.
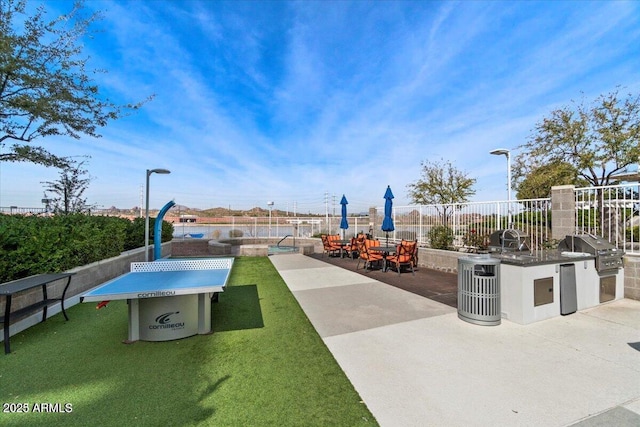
(285,101)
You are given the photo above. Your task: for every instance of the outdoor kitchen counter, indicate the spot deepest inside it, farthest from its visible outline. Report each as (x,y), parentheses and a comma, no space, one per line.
(541,258)
(532,288)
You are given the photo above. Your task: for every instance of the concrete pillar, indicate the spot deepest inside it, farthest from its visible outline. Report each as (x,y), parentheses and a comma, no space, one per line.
(373,221)
(563,211)
(632,277)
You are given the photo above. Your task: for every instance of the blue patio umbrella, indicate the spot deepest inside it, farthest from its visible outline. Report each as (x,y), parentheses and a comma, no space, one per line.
(387,223)
(344,224)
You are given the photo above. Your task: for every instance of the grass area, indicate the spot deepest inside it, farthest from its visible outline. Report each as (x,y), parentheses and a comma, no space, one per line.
(264,366)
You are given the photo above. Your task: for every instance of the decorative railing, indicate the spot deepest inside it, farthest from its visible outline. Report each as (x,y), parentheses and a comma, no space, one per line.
(608,211)
(470,223)
(611,212)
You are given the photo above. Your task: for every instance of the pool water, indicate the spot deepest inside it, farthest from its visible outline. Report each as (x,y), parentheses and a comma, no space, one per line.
(274,250)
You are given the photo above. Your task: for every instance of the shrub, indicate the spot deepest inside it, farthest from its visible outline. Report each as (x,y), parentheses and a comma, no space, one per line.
(441,237)
(480,241)
(135,233)
(32,245)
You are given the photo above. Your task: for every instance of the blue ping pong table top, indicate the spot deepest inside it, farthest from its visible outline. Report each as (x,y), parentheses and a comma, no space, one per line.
(160,284)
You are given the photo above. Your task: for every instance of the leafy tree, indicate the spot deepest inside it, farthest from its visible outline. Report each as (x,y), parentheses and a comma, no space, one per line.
(538,182)
(597,140)
(69,189)
(441,184)
(45,89)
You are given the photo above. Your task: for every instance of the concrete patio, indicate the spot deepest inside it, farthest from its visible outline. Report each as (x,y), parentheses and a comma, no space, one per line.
(415,363)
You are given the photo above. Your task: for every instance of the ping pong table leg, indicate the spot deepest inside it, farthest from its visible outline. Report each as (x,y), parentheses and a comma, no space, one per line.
(204,314)
(134,320)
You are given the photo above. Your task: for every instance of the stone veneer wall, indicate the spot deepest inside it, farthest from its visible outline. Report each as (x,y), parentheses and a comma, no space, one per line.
(563,211)
(632,277)
(438,259)
(192,247)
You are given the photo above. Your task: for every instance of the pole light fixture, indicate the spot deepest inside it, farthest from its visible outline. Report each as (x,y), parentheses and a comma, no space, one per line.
(507,153)
(146,217)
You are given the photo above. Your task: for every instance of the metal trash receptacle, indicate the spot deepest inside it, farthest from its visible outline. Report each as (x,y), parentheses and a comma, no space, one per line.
(479,290)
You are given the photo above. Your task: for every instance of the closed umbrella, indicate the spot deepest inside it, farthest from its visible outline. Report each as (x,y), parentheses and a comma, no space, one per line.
(344,224)
(387,223)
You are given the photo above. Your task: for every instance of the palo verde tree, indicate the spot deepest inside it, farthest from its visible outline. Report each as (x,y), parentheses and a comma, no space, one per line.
(593,141)
(45,89)
(69,189)
(441,184)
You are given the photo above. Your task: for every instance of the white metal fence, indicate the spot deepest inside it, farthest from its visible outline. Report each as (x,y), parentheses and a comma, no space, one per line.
(471,223)
(261,227)
(608,211)
(612,212)
(17,210)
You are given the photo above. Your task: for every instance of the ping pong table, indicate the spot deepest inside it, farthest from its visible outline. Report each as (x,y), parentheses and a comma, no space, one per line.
(167,299)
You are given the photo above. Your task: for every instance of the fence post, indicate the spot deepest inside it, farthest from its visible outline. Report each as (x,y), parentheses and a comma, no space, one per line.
(563,211)
(421,236)
(373,220)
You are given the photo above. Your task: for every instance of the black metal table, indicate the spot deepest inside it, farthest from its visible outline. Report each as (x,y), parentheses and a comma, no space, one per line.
(342,244)
(21,285)
(386,250)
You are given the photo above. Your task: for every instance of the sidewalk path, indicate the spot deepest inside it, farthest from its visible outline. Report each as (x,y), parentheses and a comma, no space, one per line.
(414,363)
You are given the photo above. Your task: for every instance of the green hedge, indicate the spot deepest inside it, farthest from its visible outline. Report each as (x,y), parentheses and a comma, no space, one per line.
(32,244)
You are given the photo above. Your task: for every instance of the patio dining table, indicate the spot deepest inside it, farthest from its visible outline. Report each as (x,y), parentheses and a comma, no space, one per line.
(342,244)
(386,251)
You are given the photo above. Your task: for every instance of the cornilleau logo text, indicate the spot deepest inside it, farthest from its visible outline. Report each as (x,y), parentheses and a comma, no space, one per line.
(164,322)
(157,294)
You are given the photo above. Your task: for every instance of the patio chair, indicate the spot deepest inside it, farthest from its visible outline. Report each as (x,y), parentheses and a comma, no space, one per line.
(369,257)
(405,255)
(333,242)
(328,247)
(353,247)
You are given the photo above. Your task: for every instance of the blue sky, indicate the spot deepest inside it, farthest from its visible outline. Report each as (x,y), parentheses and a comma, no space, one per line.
(288,101)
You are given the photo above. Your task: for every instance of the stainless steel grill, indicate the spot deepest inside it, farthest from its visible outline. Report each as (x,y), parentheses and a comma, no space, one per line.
(509,240)
(608,257)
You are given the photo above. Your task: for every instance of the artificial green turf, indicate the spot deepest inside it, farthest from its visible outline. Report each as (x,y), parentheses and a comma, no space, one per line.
(264,366)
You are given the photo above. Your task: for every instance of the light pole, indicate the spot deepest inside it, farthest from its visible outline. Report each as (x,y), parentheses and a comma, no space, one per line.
(499,152)
(270,204)
(146,217)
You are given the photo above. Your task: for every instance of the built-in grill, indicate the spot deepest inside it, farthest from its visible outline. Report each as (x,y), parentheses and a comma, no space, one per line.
(608,257)
(509,240)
